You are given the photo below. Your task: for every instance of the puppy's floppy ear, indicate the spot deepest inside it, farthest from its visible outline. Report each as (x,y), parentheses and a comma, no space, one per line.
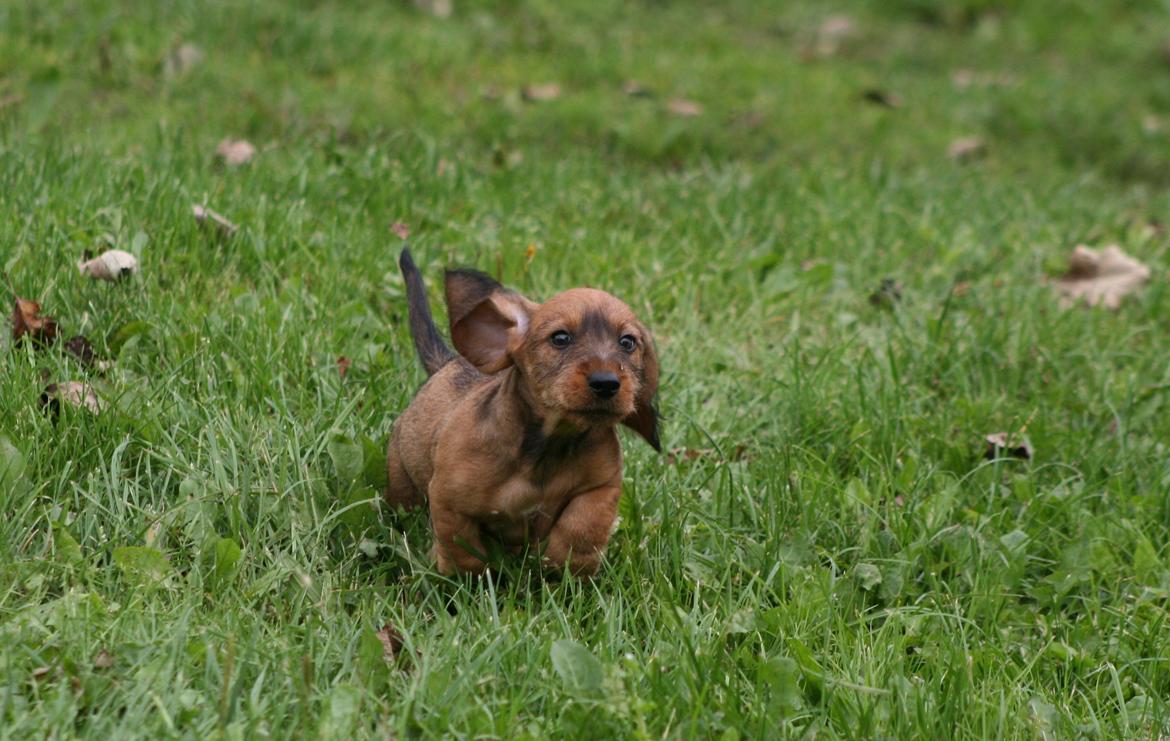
(644,420)
(487,320)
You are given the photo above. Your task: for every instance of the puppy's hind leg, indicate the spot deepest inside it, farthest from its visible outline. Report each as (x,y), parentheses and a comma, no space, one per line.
(400,490)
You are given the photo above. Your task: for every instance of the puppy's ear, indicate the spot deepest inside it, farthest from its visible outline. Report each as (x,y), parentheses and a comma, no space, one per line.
(487,320)
(644,420)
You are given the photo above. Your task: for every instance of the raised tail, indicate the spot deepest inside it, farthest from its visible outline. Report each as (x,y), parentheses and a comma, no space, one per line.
(432,350)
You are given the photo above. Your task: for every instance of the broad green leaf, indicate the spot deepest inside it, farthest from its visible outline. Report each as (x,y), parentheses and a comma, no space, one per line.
(141,564)
(341,713)
(227,560)
(780,675)
(578,668)
(12,467)
(374,464)
(123,334)
(867,575)
(348,459)
(66,549)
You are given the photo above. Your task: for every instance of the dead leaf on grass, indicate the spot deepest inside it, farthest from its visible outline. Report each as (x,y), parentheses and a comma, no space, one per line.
(27,321)
(41,672)
(967,148)
(634,89)
(400,230)
(1003,445)
(883,98)
(111,265)
(1102,277)
(437,8)
(70,393)
(103,660)
(343,364)
(235,151)
(833,33)
(81,348)
(208,218)
(182,59)
(540,92)
(391,642)
(685,108)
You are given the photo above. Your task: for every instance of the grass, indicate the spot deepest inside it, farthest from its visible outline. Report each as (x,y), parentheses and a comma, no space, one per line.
(205,557)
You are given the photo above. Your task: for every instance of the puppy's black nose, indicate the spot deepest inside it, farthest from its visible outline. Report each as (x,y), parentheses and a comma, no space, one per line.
(604,384)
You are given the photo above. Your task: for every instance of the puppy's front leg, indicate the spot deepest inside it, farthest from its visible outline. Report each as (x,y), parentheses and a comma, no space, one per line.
(458,542)
(582,531)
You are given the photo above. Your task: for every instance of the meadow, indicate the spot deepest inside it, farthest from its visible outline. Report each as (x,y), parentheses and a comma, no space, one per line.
(845,303)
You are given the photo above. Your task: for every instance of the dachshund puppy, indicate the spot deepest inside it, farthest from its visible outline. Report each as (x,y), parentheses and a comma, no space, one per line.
(513,438)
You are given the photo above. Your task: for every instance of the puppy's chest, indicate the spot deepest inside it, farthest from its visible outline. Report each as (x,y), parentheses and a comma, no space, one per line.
(524,496)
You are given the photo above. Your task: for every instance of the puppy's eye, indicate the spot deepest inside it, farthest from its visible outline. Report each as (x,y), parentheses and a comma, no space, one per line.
(628,343)
(560,338)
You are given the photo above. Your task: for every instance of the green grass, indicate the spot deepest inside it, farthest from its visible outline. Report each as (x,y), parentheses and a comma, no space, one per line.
(841,562)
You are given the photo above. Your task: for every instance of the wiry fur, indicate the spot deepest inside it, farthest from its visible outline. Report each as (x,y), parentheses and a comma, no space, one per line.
(512,439)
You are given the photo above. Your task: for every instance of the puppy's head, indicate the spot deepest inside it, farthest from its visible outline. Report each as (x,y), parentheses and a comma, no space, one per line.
(583,354)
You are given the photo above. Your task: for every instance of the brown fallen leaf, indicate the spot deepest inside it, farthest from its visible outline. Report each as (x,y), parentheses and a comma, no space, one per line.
(209,218)
(634,89)
(967,148)
(833,33)
(103,660)
(81,348)
(437,8)
(685,108)
(70,393)
(391,642)
(235,151)
(41,672)
(400,230)
(540,92)
(1002,445)
(182,59)
(343,364)
(1104,277)
(111,265)
(882,97)
(27,321)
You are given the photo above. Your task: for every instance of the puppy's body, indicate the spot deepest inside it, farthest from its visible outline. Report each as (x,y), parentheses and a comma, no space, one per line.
(514,440)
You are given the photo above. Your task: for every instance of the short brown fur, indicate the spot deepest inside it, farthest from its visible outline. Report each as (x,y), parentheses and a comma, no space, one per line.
(514,439)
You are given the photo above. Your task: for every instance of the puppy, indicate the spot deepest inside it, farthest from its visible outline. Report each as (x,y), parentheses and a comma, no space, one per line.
(513,438)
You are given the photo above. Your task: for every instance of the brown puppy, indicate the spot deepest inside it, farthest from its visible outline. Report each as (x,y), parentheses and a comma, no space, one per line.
(513,439)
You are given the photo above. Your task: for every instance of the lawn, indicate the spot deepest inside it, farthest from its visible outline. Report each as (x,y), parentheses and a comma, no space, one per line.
(843,311)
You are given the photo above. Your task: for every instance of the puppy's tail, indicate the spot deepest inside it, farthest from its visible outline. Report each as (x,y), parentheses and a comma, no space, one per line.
(432,351)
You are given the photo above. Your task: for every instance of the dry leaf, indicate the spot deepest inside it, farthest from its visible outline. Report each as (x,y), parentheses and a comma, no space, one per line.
(882,98)
(103,660)
(685,108)
(1104,277)
(634,89)
(391,642)
(72,393)
(437,8)
(444,167)
(540,92)
(207,217)
(41,672)
(833,33)
(27,320)
(343,364)
(1001,445)
(110,265)
(967,148)
(81,348)
(235,151)
(183,58)
(402,231)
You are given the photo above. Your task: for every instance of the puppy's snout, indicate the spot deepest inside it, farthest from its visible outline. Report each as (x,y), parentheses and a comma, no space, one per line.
(604,384)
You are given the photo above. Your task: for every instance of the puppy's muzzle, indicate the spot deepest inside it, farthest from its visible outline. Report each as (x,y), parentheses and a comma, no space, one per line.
(604,384)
